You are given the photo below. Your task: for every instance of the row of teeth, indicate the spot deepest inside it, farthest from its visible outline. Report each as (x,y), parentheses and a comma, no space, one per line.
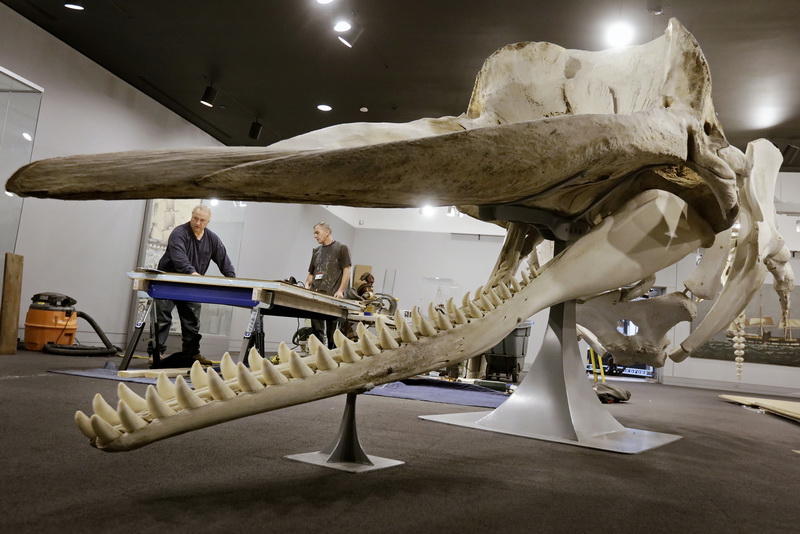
(167,398)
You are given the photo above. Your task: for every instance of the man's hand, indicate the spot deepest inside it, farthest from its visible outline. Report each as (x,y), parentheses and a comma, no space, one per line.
(339,294)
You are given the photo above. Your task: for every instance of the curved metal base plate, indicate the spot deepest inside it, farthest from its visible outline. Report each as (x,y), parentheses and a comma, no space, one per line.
(626,441)
(322,459)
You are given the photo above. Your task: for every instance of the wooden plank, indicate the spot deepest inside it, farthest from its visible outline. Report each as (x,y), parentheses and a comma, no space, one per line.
(788,409)
(9,307)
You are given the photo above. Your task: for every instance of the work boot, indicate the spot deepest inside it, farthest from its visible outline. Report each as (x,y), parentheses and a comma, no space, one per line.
(199,357)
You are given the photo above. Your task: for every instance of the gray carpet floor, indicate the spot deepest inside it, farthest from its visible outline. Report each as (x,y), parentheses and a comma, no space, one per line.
(734,470)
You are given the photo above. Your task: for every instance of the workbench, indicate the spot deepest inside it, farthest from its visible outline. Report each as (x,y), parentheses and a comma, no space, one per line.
(263,297)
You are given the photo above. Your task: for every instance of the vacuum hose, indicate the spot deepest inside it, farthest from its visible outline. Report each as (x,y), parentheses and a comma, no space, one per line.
(84,350)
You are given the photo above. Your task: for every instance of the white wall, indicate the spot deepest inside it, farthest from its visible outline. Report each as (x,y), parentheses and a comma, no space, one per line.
(83,249)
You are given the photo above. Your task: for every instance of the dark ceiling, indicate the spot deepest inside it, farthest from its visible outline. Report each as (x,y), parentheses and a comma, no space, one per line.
(275,60)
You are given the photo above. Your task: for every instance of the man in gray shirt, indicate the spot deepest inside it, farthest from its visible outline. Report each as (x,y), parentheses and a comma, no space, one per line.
(190,249)
(329,273)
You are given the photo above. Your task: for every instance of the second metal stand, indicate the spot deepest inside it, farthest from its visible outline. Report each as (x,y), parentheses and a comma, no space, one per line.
(555,401)
(345,452)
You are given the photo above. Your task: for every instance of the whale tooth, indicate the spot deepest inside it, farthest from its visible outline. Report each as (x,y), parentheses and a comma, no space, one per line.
(515,285)
(386,340)
(361,331)
(493,297)
(227,366)
(459,317)
(465,300)
(130,421)
(365,343)
(478,292)
(486,304)
(284,352)
(426,328)
(134,401)
(526,278)
(254,360)
(297,367)
(339,338)
(198,375)
(165,387)
(187,399)
(272,376)
(324,359)
(416,317)
(218,388)
(406,335)
(85,425)
(105,432)
(349,354)
(104,410)
(156,405)
(441,321)
(474,311)
(246,379)
(313,342)
(504,292)
(346,346)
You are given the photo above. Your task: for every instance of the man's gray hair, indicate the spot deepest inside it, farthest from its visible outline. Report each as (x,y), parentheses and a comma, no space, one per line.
(202,207)
(324,225)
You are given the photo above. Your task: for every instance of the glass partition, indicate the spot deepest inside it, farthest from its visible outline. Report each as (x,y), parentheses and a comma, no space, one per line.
(19,115)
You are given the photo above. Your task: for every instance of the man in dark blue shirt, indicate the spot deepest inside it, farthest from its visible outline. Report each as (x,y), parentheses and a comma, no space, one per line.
(190,249)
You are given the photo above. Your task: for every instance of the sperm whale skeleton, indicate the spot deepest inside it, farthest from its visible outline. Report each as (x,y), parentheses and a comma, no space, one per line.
(615,155)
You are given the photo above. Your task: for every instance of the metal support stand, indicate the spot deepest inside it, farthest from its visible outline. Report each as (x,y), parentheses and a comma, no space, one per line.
(345,452)
(555,401)
(141,318)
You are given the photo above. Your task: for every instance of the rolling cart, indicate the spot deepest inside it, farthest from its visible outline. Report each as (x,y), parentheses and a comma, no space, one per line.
(508,356)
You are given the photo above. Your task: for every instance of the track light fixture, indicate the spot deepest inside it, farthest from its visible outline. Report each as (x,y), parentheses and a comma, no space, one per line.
(351,35)
(209,95)
(77,5)
(255,130)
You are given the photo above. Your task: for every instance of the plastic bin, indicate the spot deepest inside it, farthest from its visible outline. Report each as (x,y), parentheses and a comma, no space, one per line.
(50,319)
(508,356)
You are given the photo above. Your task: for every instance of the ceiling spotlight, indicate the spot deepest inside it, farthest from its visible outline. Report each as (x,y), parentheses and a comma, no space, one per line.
(9,194)
(351,35)
(324,107)
(363,109)
(209,95)
(654,7)
(619,34)
(213,201)
(255,130)
(324,1)
(342,26)
(427,211)
(27,136)
(77,5)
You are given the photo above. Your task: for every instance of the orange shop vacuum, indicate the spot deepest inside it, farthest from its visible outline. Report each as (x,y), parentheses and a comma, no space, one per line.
(51,324)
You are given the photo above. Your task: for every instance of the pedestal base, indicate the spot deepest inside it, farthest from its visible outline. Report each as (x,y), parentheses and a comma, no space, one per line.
(626,441)
(556,402)
(345,453)
(323,459)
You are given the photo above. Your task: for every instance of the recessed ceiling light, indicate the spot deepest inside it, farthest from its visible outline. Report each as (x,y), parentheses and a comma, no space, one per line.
(74,4)
(324,1)
(427,211)
(342,26)
(363,109)
(27,136)
(324,107)
(214,202)
(9,193)
(619,34)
